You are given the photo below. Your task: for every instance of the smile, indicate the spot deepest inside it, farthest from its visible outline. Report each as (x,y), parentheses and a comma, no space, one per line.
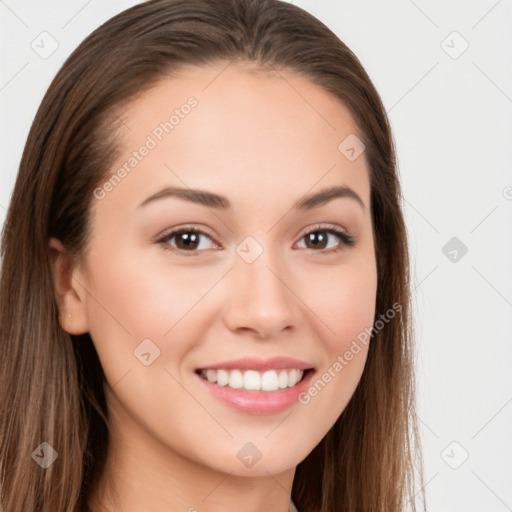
(254,385)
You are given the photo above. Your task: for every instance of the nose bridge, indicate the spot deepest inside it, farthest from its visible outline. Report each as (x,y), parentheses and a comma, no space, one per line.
(259,296)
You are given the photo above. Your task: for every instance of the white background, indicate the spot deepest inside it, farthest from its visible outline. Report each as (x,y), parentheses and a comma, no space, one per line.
(452,122)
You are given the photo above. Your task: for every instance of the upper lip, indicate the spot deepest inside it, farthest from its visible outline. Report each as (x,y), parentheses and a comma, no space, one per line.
(251,363)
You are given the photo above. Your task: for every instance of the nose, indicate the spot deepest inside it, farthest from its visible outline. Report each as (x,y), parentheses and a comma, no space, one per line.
(260,298)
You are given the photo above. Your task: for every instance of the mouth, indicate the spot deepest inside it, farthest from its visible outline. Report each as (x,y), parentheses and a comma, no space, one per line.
(253,379)
(256,386)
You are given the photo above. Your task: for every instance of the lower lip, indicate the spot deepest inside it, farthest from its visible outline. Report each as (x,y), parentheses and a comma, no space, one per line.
(258,402)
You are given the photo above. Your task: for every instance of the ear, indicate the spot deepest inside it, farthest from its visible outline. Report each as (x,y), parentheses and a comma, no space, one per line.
(69,294)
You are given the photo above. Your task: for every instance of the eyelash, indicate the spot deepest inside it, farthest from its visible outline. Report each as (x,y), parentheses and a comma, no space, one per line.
(346,240)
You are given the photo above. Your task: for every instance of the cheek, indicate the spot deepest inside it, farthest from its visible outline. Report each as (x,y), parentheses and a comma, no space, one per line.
(122,308)
(344,300)
(131,300)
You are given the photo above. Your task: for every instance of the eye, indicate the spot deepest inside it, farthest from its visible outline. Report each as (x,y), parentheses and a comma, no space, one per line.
(318,238)
(187,240)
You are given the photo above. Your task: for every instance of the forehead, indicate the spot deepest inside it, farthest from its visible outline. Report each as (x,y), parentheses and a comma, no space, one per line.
(229,125)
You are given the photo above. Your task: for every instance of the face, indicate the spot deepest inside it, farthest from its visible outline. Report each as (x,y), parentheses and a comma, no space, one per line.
(205,310)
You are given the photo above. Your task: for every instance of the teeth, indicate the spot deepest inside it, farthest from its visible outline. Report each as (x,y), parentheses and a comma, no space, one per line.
(269,381)
(222,377)
(252,380)
(236,379)
(293,377)
(283,379)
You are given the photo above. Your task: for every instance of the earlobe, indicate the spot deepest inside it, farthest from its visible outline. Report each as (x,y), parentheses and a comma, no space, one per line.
(68,292)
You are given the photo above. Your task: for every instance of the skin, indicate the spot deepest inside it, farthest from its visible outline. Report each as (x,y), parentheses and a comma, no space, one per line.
(173,445)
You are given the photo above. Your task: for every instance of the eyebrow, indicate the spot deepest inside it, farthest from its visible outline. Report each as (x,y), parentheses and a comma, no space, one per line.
(213,200)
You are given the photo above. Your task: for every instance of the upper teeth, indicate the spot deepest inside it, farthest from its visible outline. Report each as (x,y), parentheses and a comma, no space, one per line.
(269,380)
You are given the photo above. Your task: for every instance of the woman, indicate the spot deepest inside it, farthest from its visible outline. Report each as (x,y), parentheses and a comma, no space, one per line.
(204,288)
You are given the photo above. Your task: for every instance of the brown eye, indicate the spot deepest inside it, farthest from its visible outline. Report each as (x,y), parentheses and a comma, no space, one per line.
(185,240)
(319,239)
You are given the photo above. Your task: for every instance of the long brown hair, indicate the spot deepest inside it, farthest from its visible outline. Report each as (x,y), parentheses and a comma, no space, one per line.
(52,382)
